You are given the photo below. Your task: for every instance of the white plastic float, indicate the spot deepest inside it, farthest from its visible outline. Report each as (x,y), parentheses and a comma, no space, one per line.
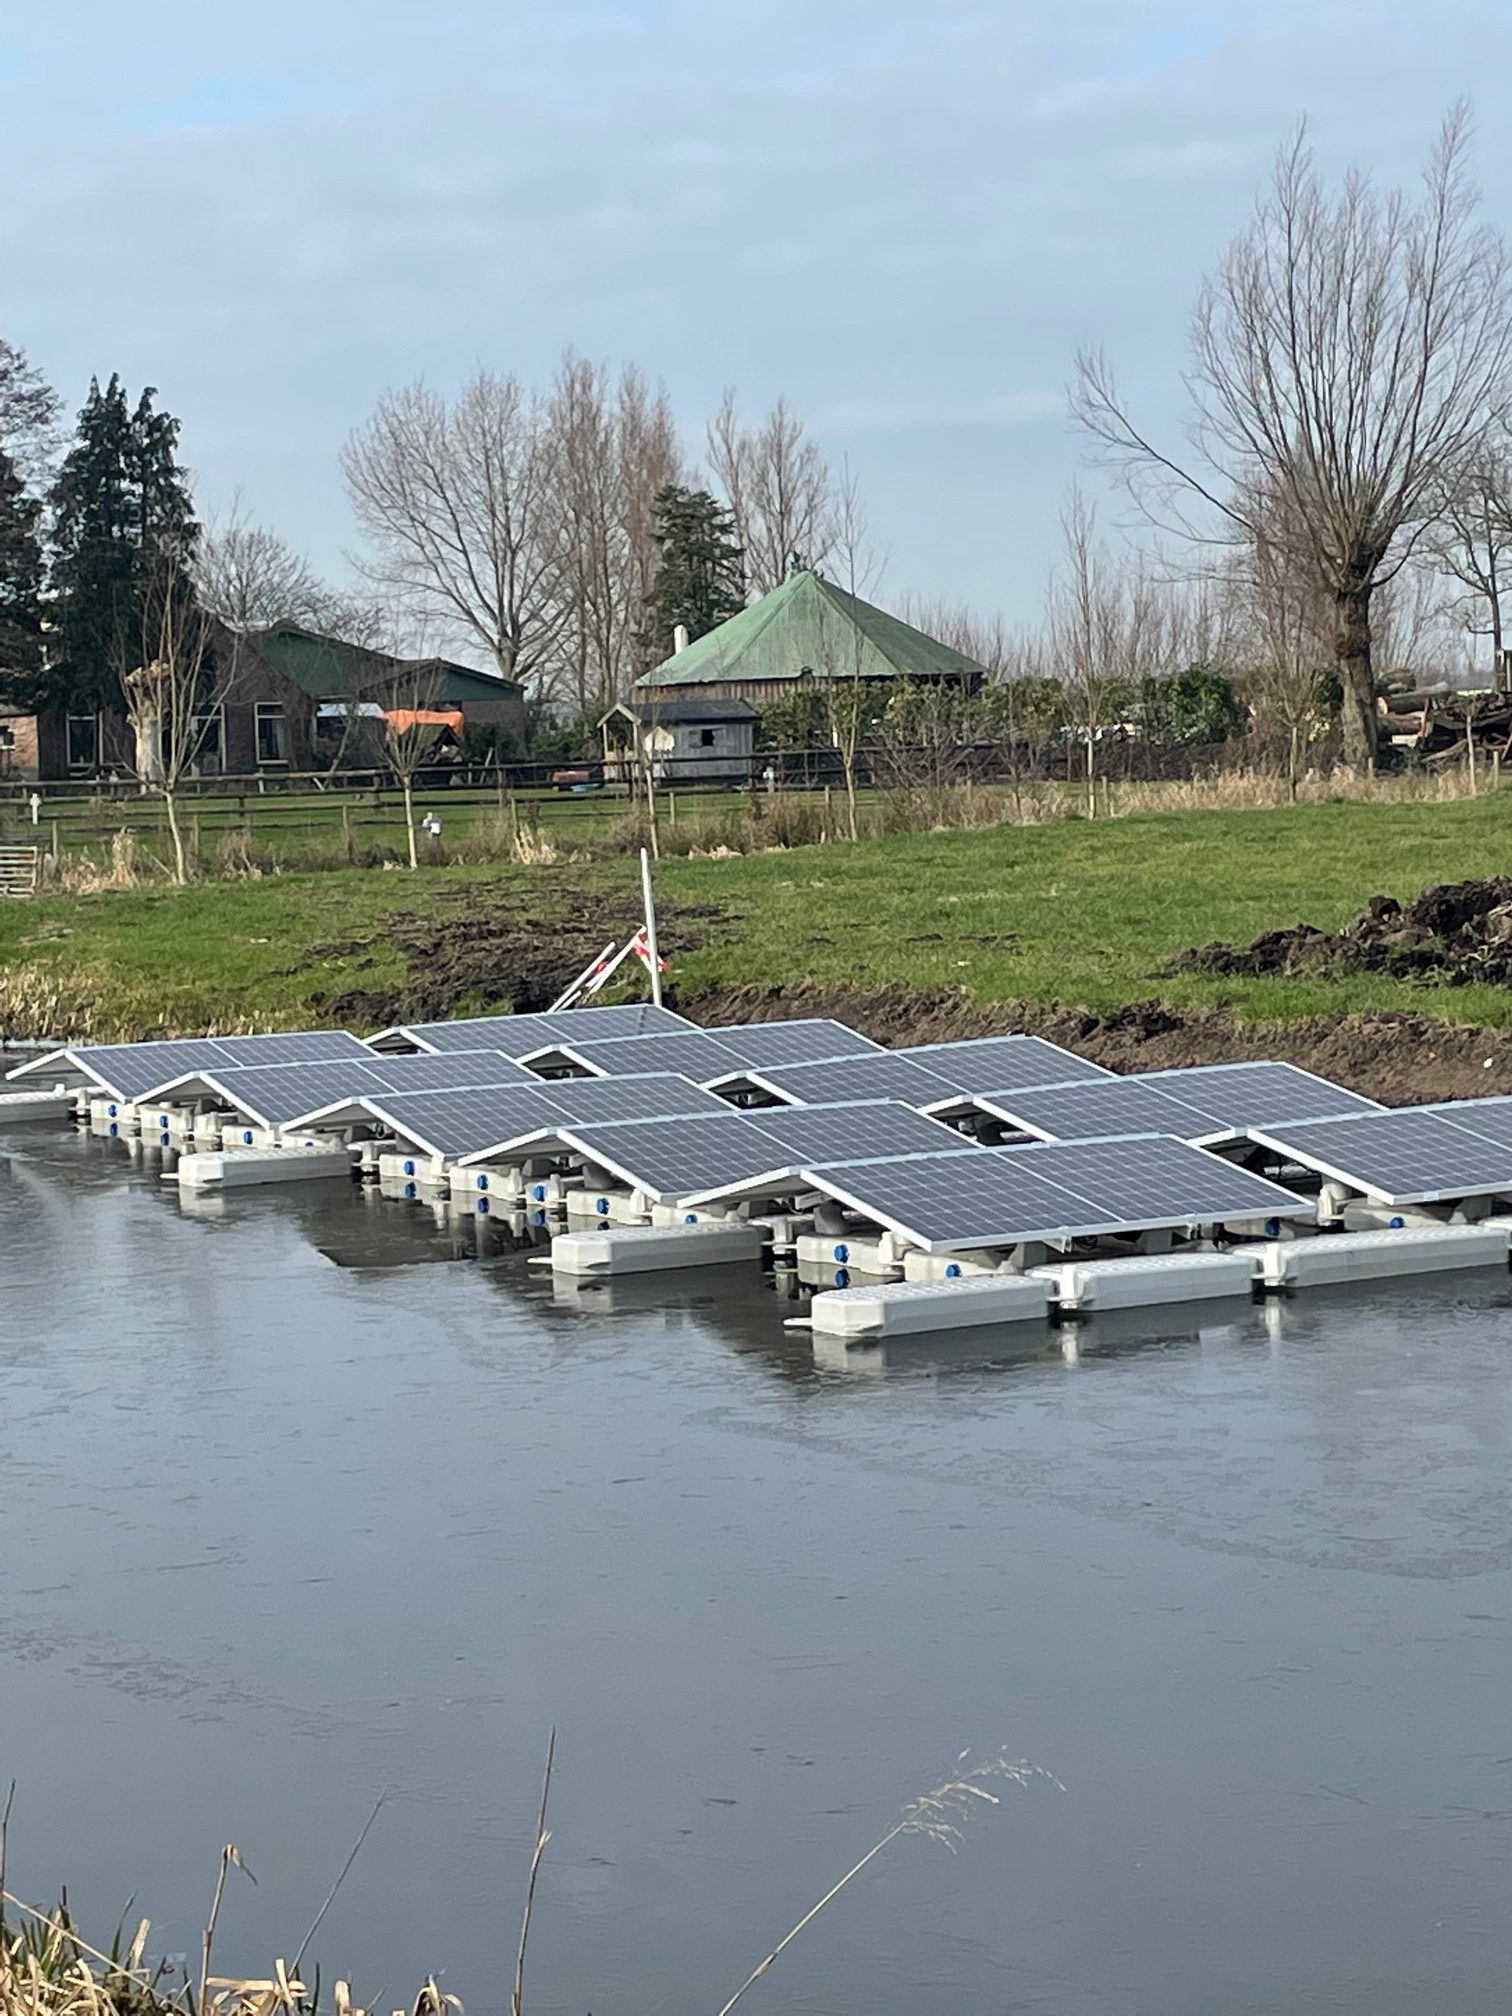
(1368,1256)
(914,1308)
(645,1249)
(245,1168)
(52,1103)
(1147,1281)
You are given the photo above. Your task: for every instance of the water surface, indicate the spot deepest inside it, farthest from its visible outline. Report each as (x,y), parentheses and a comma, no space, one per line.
(291,1518)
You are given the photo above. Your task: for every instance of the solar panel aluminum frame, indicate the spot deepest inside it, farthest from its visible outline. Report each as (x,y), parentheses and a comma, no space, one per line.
(1282,1142)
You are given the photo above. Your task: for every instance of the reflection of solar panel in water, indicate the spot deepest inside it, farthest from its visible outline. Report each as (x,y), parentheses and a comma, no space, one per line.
(856,1133)
(686,1051)
(1155,1181)
(1089,1111)
(979,1062)
(837,1081)
(801,1042)
(1402,1157)
(664,1161)
(1256,1095)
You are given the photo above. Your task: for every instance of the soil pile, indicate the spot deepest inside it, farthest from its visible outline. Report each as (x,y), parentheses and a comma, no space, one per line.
(1450,936)
(470,953)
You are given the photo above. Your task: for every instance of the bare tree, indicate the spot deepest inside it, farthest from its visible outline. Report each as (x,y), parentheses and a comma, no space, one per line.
(414,724)
(174,685)
(28,415)
(779,489)
(456,499)
(1472,543)
(251,578)
(1348,358)
(1291,614)
(842,649)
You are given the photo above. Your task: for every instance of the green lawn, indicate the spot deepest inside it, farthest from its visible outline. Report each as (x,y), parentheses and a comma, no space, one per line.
(1072,913)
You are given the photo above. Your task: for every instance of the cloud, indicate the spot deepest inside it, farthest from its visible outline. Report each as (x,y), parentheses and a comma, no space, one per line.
(907,220)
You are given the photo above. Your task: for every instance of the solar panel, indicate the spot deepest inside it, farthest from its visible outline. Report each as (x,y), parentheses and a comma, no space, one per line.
(1156,1180)
(274,1094)
(978,1062)
(130,1070)
(1490,1119)
(882,1075)
(1256,1095)
(651,1096)
(948,1202)
(667,1162)
(517,1035)
(688,1052)
(799,1042)
(1092,1109)
(446,1070)
(859,1132)
(457,1123)
(304,1046)
(1404,1157)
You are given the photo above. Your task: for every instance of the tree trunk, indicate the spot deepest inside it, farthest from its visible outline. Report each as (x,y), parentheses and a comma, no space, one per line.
(408,786)
(1293,738)
(180,863)
(1356,676)
(1498,659)
(1091,771)
(852,826)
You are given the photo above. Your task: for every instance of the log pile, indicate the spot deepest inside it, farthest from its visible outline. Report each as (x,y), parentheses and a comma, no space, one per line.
(1439,724)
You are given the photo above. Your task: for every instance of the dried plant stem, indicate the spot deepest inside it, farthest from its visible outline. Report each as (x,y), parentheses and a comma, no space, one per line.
(346,1866)
(517,1999)
(230,1858)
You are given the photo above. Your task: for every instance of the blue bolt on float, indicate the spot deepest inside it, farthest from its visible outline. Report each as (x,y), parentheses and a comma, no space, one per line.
(842,1277)
(952,1272)
(410,1190)
(162,1119)
(482,1182)
(1396,1224)
(690,1218)
(163,1141)
(482,1207)
(1273,1228)
(247,1136)
(601,1205)
(842,1252)
(113,1128)
(112,1109)
(538,1191)
(409,1168)
(538,1217)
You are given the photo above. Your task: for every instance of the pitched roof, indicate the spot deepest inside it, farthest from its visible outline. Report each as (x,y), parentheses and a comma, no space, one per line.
(330,668)
(811,626)
(671,708)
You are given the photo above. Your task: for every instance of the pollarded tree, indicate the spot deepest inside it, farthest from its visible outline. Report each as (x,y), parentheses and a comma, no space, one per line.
(1347,363)
(121,514)
(700,575)
(20,589)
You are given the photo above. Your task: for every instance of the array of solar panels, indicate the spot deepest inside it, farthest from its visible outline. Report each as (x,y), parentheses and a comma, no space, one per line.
(479,1085)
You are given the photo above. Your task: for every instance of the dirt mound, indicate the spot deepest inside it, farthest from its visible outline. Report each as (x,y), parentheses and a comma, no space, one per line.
(1451,935)
(474,952)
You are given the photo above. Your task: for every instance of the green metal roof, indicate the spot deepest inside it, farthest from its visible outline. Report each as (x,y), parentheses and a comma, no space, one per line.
(810,627)
(329,668)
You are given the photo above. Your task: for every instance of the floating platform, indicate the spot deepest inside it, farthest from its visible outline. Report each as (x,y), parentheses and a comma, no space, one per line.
(1148,1281)
(55,1103)
(877,1256)
(1369,1256)
(246,1168)
(646,1249)
(914,1308)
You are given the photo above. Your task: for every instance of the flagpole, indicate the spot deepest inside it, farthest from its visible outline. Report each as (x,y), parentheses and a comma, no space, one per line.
(653,962)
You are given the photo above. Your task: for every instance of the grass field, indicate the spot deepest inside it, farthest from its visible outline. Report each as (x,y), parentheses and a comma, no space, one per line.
(1071,913)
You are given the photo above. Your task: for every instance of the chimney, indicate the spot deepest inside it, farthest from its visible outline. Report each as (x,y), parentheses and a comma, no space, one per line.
(679,638)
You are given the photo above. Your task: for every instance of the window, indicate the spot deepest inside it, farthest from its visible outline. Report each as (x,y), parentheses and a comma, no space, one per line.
(7,741)
(208,742)
(83,741)
(706,738)
(272,732)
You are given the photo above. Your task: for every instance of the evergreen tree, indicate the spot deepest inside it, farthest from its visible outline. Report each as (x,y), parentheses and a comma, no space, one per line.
(120,506)
(700,575)
(20,589)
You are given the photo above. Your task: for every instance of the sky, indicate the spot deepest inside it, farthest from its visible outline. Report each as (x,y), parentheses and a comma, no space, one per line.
(905,218)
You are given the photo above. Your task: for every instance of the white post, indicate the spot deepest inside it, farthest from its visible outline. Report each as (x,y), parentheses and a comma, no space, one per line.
(651,946)
(566,998)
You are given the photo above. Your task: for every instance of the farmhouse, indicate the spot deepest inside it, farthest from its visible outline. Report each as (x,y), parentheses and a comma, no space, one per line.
(294,701)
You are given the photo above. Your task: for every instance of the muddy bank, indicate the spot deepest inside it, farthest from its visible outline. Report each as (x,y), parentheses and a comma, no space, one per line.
(1451,935)
(1398,1058)
(466,956)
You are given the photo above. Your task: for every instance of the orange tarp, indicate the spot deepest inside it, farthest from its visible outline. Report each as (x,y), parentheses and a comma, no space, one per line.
(400,719)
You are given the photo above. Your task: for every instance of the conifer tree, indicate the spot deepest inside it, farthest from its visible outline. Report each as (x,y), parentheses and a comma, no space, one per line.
(20,589)
(700,576)
(120,505)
